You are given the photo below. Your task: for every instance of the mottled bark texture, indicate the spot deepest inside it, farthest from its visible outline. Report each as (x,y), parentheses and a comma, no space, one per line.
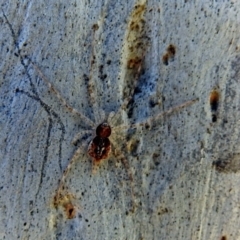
(169,176)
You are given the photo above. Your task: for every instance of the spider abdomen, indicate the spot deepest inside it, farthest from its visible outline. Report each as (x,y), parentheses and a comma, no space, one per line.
(99,148)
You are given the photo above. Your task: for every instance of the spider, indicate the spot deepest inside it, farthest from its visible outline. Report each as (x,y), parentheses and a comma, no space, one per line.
(101,144)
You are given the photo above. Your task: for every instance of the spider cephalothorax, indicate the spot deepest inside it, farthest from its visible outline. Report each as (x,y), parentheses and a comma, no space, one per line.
(100,147)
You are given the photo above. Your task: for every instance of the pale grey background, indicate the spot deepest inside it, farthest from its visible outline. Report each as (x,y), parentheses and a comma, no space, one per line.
(180,195)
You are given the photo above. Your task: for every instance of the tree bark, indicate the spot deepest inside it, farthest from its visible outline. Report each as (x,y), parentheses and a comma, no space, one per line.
(169,176)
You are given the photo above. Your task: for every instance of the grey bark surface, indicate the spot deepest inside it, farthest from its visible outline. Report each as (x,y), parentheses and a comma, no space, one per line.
(185,165)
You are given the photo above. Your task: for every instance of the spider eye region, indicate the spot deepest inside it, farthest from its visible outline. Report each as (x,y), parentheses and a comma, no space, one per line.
(103,130)
(99,148)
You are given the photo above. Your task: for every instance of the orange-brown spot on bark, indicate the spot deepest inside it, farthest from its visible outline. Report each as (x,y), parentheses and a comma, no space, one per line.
(134,63)
(70,210)
(64,200)
(214,100)
(134,26)
(171,50)
(165,59)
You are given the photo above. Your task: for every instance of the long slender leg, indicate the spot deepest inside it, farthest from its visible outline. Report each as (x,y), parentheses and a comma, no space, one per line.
(56,92)
(156,117)
(61,192)
(91,85)
(78,135)
(119,154)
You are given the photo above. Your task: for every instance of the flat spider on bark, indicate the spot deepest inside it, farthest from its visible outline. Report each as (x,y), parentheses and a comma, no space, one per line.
(99,145)
(102,135)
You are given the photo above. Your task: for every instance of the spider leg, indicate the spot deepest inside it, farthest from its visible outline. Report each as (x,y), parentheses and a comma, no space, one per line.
(78,135)
(119,154)
(57,93)
(61,192)
(95,165)
(110,118)
(156,117)
(91,85)
(102,116)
